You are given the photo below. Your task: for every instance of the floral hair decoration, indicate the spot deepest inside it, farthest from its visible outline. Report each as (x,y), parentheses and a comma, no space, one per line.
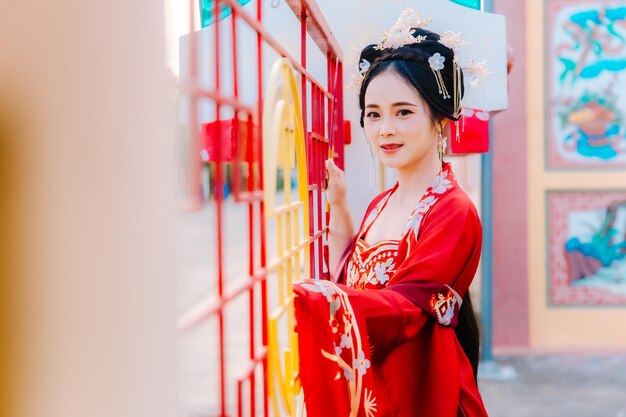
(402,33)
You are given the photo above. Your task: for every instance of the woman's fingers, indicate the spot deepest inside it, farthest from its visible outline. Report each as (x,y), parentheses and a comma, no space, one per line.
(330,165)
(332,168)
(326,178)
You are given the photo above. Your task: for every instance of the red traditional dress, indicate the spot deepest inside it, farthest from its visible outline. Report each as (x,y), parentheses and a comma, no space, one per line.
(381,342)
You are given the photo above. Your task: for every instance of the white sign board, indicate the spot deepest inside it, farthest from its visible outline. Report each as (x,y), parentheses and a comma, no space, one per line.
(362,22)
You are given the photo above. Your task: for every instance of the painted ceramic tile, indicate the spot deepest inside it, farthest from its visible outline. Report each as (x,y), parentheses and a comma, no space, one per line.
(587,247)
(586,75)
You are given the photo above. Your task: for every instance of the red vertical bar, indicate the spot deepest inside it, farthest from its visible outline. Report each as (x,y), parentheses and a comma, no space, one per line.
(236,127)
(218,200)
(317,177)
(303,18)
(313,176)
(314,119)
(244,146)
(316,109)
(330,108)
(332,87)
(250,187)
(339,133)
(259,142)
(320,158)
(239,399)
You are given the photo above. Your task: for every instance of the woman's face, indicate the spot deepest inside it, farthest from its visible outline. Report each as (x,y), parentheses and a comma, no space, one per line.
(397,123)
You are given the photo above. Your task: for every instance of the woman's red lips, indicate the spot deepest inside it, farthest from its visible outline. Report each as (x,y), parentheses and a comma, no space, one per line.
(390,146)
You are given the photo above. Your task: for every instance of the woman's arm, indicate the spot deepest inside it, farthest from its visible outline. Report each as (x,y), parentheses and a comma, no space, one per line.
(341,227)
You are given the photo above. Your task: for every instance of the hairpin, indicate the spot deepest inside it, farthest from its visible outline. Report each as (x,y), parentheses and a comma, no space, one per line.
(398,36)
(436,65)
(402,33)
(478,70)
(357,79)
(452,40)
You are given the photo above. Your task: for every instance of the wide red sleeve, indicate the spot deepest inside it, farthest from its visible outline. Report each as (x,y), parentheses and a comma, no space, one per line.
(340,330)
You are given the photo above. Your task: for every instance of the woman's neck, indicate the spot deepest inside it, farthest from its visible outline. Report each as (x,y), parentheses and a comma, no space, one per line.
(417,178)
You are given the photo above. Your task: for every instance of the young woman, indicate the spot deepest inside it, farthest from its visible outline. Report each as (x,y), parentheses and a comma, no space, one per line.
(394,333)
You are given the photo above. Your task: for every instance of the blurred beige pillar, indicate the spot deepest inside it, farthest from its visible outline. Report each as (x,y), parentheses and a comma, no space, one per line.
(87,307)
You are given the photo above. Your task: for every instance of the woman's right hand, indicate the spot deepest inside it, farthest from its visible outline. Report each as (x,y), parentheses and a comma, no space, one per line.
(336,184)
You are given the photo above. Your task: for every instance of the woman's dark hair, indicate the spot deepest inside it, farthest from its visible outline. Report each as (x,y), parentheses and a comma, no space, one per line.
(411,63)
(468,333)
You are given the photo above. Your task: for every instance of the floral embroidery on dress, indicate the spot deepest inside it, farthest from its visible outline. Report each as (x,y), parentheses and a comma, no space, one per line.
(445,306)
(418,214)
(382,271)
(373,266)
(360,363)
(370,403)
(440,185)
(347,347)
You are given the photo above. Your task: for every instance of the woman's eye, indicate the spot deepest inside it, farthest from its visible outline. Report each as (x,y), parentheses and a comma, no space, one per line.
(372,115)
(405,112)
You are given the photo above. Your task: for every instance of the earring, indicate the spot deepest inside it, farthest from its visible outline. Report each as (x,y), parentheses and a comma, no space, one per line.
(442,146)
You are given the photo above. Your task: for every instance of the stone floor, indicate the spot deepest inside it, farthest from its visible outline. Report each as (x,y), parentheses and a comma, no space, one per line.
(581,385)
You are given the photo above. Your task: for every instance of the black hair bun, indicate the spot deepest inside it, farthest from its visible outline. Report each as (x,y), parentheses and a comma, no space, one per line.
(369,54)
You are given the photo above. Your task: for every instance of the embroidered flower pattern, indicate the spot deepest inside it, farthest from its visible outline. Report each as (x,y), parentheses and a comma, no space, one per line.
(348,374)
(375,270)
(443,307)
(346,341)
(440,185)
(373,266)
(338,350)
(418,214)
(370,403)
(347,346)
(360,363)
(436,61)
(328,292)
(382,270)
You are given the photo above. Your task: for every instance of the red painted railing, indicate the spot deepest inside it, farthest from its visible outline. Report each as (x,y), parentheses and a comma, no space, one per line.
(324,137)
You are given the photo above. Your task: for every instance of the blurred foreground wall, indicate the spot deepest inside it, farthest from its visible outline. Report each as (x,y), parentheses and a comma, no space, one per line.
(86,209)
